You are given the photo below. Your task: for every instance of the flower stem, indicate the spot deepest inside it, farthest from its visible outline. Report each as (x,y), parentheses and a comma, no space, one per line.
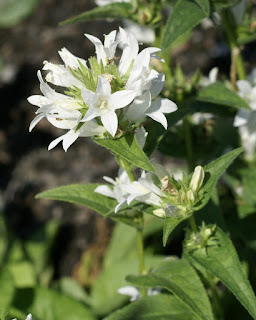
(237,65)
(188,142)
(140,248)
(192,223)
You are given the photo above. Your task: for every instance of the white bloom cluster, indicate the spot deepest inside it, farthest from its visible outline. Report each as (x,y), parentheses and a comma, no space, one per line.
(106,95)
(167,195)
(245,119)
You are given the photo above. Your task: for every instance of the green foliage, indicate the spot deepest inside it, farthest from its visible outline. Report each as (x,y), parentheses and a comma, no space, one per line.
(219,94)
(14,11)
(180,278)
(159,307)
(190,13)
(222,261)
(45,303)
(127,147)
(83,195)
(113,10)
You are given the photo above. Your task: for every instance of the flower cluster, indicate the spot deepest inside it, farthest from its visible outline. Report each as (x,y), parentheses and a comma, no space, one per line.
(168,196)
(107,95)
(245,119)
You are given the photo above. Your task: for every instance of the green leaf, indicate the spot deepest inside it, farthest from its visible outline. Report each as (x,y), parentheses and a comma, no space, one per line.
(219,94)
(23,274)
(222,261)
(182,280)
(104,295)
(113,10)
(82,194)
(213,171)
(48,304)
(170,223)
(158,307)
(14,11)
(205,5)
(7,289)
(72,289)
(127,147)
(184,17)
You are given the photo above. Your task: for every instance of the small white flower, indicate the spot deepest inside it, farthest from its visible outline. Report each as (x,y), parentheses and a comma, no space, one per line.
(212,77)
(245,119)
(29,317)
(134,293)
(106,51)
(103,104)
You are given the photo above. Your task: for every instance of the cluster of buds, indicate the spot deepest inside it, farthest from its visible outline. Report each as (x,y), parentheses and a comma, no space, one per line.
(202,239)
(108,96)
(168,196)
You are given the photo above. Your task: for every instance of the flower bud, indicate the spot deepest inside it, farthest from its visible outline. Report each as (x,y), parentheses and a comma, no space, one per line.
(159,213)
(190,196)
(197,179)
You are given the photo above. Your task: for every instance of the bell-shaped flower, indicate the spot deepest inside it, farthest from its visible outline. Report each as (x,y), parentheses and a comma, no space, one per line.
(103,104)
(245,119)
(104,52)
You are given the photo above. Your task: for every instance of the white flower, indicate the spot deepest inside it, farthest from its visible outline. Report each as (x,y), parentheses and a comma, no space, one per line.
(134,293)
(105,52)
(94,96)
(245,119)
(212,77)
(103,104)
(118,191)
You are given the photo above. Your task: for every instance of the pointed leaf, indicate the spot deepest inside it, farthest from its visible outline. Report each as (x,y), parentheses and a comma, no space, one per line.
(222,261)
(182,280)
(213,171)
(127,147)
(158,307)
(219,94)
(170,223)
(184,17)
(81,194)
(112,10)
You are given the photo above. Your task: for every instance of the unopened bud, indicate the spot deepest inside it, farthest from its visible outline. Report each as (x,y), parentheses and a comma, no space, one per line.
(159,213)
(190,196)
(197,179)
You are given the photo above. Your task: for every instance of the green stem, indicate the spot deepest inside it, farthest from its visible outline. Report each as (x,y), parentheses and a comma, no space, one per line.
(140,246)
(237,63)
(188,142)
(192,223)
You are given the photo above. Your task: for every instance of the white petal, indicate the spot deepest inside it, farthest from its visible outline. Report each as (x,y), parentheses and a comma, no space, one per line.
(129,291)
(91,128)
(69,139)
(241,117)
(159,117)
(137,110)
(141,136)
(38,100)
(244,87)
(105,191)
(71,60)
(157,84)
(35,121)
(100,52)
(103,87)
(29,317)
(121,99)
(213,74)
(109,121)
(54,143)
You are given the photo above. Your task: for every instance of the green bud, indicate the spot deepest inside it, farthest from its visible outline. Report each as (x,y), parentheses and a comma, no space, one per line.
(197,179)
(159,213)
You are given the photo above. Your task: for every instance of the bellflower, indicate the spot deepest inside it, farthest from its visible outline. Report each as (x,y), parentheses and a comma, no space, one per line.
(245,119)
(104,95)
